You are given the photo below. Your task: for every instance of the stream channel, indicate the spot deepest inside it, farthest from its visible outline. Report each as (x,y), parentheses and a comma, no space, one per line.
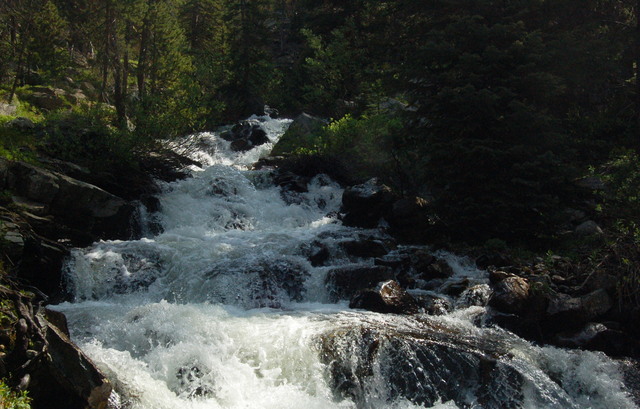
(221,308)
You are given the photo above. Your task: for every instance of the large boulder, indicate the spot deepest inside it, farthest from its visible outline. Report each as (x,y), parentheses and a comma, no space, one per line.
(8,109)
(409,219)
(73,203)
(21,123)
(38,356)
(68,379)
(48,99)
(566,311)
(300,134)
(366,204)
(387,297)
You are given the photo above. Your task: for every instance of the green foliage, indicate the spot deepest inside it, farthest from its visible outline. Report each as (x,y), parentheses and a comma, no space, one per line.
(86,136)
(365,146)
(621,175)
(48,43)
(13,400)
(15,144)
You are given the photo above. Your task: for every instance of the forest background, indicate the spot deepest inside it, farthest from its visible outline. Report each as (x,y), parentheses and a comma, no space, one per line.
(508,116)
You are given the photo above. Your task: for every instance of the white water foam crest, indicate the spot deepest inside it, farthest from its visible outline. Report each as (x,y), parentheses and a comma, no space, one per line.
(209,149)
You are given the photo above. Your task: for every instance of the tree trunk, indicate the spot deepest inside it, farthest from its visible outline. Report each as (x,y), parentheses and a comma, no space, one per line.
(19,73)
(637,58)
(142,55)
(106,56)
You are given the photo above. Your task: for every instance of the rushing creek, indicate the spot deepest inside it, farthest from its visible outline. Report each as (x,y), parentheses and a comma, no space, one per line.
(221,308)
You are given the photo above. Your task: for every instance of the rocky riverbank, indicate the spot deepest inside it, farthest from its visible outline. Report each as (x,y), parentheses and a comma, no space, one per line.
(45,210)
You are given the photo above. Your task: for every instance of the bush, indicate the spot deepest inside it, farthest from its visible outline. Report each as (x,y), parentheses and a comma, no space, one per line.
(13,400)
(366,146)
(86,136)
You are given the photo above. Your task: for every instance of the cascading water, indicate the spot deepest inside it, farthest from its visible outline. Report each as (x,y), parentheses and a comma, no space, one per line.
(223,309)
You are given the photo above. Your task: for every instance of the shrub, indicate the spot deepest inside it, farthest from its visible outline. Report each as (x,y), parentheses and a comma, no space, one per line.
(13,400)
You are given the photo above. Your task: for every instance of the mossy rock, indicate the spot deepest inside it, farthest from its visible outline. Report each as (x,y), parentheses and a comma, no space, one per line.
(302,133)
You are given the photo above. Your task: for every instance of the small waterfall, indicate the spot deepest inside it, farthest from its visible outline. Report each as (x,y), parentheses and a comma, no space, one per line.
(226,308)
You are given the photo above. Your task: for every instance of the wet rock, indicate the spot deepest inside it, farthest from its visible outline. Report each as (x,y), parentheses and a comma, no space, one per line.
(510,294)
(319,254)
(291,182)
(274,282)
(420,362)
(191,382)
(476,295)
(345,282)
(68,379)
(388,297)
(365,248)
(437,269)
(599,337)
(366,204)
(434,304)
(240,145)
(245,136)
(455,288)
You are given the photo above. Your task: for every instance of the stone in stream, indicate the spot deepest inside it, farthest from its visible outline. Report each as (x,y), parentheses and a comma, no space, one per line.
(422,361)
(365,248)
(366,204)
(345,282)
(244,136)
(387,297)
(510,294)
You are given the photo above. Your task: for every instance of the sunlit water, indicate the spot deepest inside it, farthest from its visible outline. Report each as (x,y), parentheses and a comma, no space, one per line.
(224,310)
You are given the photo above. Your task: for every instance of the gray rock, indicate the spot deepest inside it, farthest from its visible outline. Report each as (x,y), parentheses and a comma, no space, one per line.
(588,228)
(592,183)
(68,377)
(573,311)
(300,134)
(21,123)
(8,109)
(45,98)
